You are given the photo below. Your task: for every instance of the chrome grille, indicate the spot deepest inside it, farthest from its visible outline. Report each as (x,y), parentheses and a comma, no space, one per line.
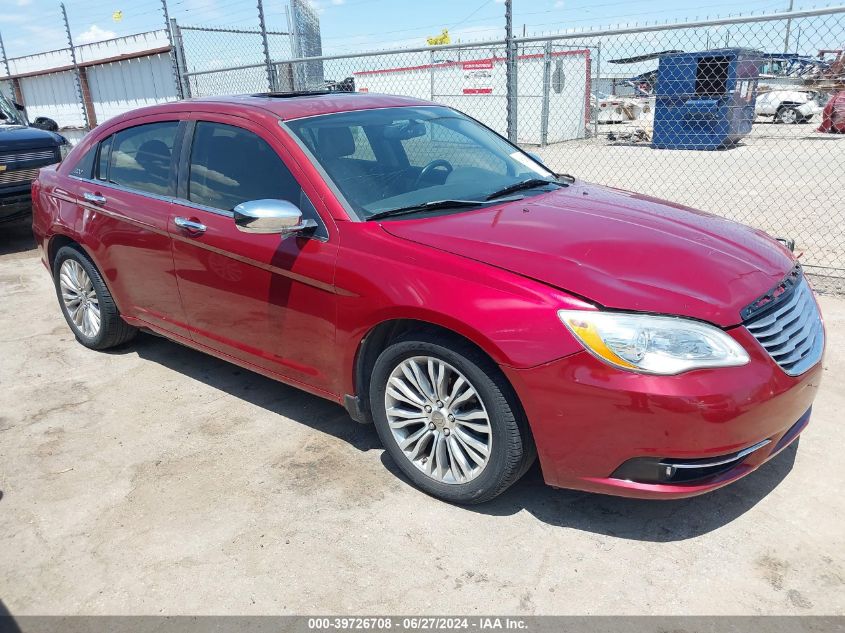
(790,330)
(18,176)
(46,154)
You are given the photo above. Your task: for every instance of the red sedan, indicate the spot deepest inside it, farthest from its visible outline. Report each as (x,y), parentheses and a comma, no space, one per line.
(402,259)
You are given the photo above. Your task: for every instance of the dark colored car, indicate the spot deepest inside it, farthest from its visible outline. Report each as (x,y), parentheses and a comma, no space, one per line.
(400,258)
(24,149)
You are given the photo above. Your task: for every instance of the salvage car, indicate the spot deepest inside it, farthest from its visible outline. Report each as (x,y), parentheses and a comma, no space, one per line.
(787,106)
(400,258)
(23,151)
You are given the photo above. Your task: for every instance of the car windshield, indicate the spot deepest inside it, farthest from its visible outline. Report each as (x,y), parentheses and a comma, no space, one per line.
(396,158)
(9,114)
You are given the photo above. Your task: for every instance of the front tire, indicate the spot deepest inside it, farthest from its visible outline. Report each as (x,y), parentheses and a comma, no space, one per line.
(86,302)
(449,418)
(788,115)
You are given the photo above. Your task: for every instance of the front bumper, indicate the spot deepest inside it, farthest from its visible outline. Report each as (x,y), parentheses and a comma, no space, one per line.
(588,419)
(15,201)
(809,109)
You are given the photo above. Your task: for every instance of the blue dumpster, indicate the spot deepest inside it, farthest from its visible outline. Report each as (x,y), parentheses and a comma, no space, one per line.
(705,100)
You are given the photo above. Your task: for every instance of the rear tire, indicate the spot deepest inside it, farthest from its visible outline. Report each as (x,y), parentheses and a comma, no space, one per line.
(455,458)
(86,302)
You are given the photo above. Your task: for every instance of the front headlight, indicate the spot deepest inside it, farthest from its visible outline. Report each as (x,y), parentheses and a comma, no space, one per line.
(653,344)
(64,150)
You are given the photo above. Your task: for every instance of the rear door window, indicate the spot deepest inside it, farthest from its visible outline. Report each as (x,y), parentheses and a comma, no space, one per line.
(142,157)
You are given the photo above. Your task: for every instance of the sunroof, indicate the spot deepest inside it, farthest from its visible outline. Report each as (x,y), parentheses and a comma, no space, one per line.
(299,93)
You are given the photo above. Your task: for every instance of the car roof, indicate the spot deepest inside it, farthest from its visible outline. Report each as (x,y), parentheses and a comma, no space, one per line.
(285,106)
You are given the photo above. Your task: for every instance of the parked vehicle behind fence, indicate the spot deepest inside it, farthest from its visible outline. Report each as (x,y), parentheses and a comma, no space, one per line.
(788,106)
(23,150)
(400,258)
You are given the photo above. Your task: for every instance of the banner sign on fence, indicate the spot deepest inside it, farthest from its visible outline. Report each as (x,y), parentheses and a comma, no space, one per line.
(478,77)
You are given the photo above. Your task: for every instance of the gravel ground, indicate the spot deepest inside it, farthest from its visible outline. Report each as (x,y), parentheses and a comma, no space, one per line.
(155,479)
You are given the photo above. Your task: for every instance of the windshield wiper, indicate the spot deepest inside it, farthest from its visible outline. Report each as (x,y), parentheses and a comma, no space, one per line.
(425,206)
(524,184)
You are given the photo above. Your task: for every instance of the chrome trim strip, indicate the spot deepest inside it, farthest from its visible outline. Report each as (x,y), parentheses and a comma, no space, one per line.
(116,187)
(172,200)
(720,461)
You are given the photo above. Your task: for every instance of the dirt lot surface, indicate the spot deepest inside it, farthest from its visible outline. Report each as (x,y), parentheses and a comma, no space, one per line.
(155,479)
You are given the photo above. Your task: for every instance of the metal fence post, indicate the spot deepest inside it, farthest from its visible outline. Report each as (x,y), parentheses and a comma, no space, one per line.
(76,73)
(179,55)
(594,89)
(271,80)
(510,72)
(5,59)
(547,80)
(431,72)
(174,65)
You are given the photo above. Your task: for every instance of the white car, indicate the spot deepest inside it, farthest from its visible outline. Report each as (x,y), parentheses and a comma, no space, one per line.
(616,109)
(788,106)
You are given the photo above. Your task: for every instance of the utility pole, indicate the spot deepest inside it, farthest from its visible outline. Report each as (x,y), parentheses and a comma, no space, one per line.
(271,83)
(510,71)
(76,72)
(788,29)
(174,65)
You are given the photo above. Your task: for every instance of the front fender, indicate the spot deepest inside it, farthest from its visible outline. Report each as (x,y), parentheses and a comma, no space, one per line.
(382,278)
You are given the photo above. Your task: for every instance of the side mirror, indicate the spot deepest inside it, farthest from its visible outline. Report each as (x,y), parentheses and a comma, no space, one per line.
(19,107)
(271,216)
(45,123)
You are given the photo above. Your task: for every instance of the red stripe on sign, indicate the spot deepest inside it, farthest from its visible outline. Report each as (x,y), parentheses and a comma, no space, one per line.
(447,64)
(478,65)
(478,91)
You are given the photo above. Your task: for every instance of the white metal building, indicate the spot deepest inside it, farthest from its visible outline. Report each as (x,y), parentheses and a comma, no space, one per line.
(553,91)
(117,75)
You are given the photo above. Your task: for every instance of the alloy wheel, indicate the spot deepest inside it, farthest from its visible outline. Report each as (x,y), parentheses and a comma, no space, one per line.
(80,298)
(438,420)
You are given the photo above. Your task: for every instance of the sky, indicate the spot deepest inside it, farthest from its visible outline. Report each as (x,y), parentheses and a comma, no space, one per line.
(30,26)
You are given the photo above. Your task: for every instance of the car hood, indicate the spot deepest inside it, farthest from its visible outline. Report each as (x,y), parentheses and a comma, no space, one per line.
(20,137)
(618,249)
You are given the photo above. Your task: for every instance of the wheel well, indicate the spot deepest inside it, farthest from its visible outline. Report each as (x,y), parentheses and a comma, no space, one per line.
(56,243)
(379,338)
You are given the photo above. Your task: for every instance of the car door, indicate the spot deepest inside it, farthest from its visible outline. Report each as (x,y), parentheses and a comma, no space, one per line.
(263,299)
(124,185)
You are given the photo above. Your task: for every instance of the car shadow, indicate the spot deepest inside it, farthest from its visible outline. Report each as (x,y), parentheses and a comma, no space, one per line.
(632,519)
(641,519)
(275,397)
(8,624)
(16,236)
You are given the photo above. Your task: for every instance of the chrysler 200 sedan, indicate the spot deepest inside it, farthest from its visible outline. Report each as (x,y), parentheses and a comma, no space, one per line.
(400,258)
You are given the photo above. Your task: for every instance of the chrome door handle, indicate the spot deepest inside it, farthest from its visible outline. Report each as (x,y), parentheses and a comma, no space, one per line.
(190,225)
(94,197)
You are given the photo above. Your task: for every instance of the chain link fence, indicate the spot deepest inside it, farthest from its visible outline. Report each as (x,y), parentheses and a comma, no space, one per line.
(724,116)
(727,116)
(741,117)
